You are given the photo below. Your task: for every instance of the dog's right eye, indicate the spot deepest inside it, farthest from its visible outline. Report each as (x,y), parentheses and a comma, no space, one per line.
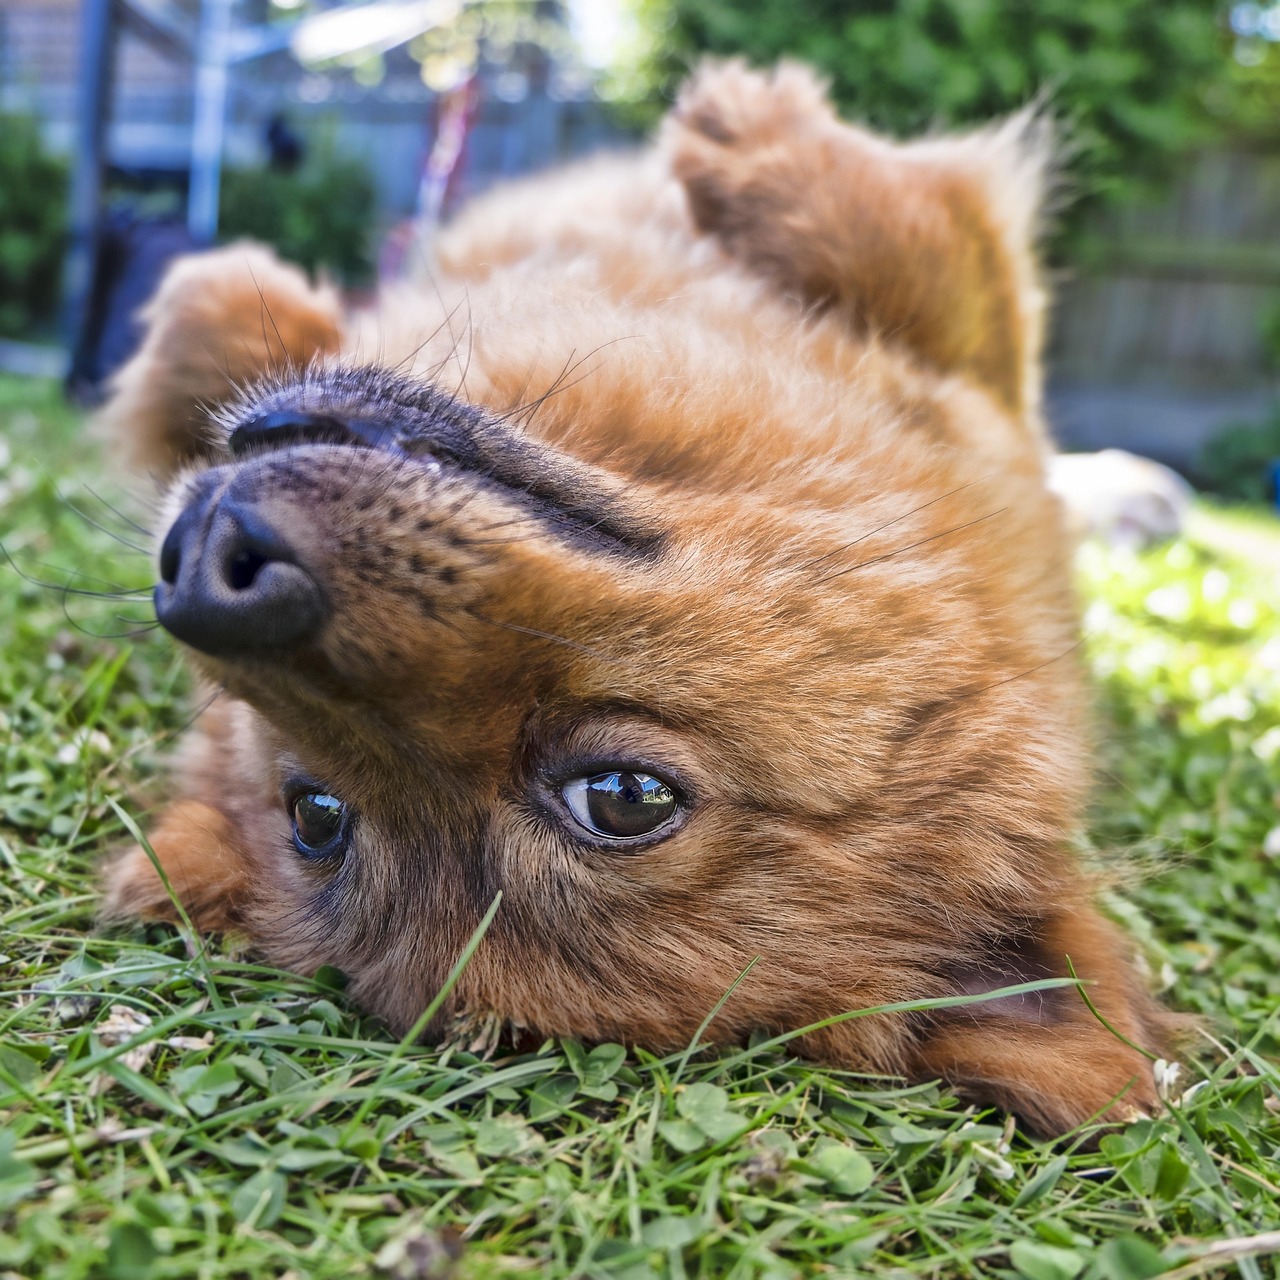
(319,824)
(621,804)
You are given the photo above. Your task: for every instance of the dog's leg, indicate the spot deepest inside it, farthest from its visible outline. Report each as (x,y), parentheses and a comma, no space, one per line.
(1047,1056)
(228,805)
(927,245)
(220,320)
(199,851)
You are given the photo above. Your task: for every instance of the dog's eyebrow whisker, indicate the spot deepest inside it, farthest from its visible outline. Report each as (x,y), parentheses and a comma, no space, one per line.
(871,533)
(1030,671)
(542,635)
(888,555)
(430,338)
(266,307)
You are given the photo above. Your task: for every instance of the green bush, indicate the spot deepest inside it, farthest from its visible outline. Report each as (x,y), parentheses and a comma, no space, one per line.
(1238,461)
(33,202)
(322,215)
(1127,77)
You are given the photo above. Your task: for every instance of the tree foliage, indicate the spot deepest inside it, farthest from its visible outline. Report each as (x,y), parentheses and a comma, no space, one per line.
(1127,78)
(321,216)
(33,194)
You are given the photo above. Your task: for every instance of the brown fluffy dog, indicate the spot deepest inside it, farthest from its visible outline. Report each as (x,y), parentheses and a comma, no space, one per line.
(678,561)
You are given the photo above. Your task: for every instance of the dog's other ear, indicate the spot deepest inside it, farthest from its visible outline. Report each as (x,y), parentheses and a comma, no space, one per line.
(927,244)
(1046,1056)
(218,321)
(202,859)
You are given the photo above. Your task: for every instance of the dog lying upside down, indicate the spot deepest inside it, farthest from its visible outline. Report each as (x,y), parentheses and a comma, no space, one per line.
(677,560)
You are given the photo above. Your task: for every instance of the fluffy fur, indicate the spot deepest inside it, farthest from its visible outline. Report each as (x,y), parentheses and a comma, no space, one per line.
(795,368)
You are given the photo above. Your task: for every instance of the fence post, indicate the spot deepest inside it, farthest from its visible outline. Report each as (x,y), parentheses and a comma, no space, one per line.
(97,63)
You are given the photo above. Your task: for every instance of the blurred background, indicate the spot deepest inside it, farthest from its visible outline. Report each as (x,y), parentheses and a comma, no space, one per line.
(132,130)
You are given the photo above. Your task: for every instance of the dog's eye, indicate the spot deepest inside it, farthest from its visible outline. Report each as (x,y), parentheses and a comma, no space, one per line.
(319,824)
(620,804)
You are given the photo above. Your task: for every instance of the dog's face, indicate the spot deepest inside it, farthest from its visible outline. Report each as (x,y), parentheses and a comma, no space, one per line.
(623,574)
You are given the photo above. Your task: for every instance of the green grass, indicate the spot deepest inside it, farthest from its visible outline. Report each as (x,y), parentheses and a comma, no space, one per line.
(171,1110)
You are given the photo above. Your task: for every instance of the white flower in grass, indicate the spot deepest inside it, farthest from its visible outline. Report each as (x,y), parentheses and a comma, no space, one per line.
(1166,1075)
(993,1162)
(1271,843)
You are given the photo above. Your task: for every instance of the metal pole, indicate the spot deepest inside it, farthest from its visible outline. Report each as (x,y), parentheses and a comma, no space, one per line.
(213,50)
(93,109)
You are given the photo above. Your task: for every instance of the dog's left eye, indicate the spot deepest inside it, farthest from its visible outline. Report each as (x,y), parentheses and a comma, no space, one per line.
(319,824)
(621,804)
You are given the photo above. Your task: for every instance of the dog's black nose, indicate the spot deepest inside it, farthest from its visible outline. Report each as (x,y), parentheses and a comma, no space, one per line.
(232,586)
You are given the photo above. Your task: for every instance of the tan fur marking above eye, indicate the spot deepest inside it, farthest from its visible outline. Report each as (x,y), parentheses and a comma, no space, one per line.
(201,855)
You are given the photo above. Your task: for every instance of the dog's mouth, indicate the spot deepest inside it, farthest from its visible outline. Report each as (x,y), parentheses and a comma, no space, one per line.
(233,581)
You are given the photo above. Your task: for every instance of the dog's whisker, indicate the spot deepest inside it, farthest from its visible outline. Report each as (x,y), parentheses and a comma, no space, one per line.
(541,635)
(120,515)
(110,533)
(889,555)
(848,546)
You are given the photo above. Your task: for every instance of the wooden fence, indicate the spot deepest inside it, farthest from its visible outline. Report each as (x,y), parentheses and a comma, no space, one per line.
(1179,292)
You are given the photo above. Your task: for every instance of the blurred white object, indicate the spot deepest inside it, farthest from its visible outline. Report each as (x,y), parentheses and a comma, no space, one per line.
(1125,500)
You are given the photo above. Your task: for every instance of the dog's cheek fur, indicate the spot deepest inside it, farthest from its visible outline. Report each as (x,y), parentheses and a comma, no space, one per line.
(218,322)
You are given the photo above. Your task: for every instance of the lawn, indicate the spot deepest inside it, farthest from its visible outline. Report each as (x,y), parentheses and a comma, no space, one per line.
(175,1109)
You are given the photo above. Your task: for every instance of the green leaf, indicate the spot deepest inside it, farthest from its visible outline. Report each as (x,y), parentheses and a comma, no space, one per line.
(258,1201)
(847,1171)
(1039,1261)
(130,1252)
(672,1232)
(683,1135)
(502,1136)
(1041,1182)
(17,1177)
(1129,1257)
(707,1106)
(19,1063)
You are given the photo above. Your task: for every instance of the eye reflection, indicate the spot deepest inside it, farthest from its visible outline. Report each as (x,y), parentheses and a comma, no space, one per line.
(621,804)
(319,824)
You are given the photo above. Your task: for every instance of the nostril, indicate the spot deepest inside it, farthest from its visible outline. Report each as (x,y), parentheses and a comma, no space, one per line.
(243,568)
(171,555)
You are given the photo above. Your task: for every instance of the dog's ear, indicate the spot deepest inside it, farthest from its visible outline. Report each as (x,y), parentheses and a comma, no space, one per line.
(200,852)
(218,321)
(1046,1056)
(927,244)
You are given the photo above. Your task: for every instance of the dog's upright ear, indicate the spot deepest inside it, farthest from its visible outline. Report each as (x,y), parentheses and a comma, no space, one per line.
(927,244)
(219,320)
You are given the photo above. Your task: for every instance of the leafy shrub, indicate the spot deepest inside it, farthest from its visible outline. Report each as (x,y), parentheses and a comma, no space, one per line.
(322,215)
(1240,461)
(33,201)
(1127,77)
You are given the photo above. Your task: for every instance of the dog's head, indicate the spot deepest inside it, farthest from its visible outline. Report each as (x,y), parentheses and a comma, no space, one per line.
(679,565)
